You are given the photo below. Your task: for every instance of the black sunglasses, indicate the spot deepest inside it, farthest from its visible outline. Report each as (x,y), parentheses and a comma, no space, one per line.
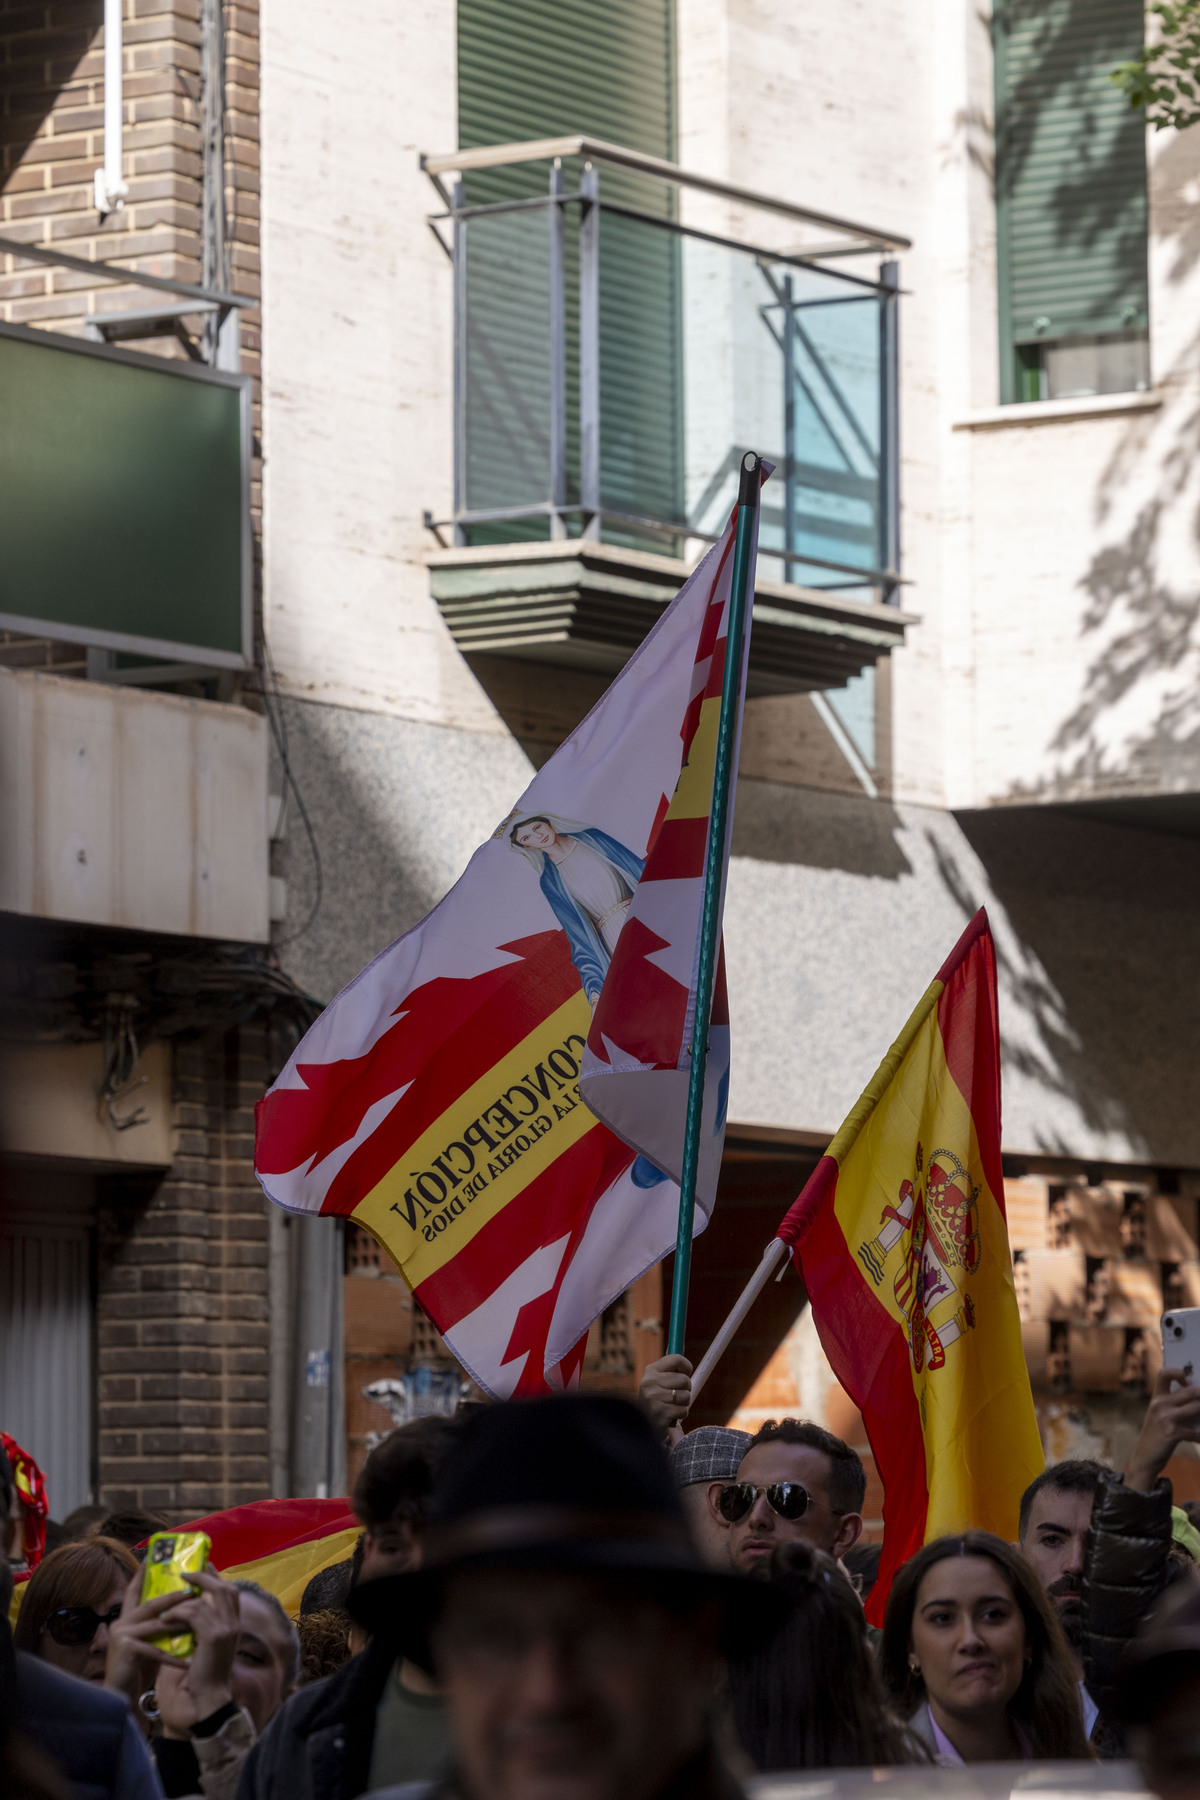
(76,1625)
(787,1498)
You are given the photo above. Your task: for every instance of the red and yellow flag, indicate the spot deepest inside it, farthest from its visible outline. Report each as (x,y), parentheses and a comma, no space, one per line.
(903,1242)
(281,1544)
(499,1097)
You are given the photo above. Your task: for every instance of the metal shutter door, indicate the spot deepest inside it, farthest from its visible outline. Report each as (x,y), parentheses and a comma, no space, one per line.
(46,1349)
(534,69)
(1070,171)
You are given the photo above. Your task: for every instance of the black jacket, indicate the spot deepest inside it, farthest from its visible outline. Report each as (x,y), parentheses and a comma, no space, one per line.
(87,1731)
(1127,1564)
(318,1745)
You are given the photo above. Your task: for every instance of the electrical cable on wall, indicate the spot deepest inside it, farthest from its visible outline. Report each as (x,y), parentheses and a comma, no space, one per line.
(278,724)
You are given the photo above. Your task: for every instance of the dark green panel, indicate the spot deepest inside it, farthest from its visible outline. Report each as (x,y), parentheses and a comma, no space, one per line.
(122,497)
(1070,174)
(604,68)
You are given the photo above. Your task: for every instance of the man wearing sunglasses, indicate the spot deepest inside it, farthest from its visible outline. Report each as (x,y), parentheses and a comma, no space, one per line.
(796,1481)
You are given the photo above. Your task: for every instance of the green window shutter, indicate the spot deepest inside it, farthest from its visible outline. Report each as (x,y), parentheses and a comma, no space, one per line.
(557,68)
(554,68)
(1071,209)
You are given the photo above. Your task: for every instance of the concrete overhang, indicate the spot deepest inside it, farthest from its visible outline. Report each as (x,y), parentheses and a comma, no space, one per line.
(122,807)
(576,604)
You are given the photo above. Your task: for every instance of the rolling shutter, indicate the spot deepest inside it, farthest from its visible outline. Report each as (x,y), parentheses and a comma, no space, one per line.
(46,1344)
(1070,174)
(545,68)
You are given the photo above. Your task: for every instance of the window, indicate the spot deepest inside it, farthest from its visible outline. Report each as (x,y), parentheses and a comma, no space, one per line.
(541,70)
(1071,209)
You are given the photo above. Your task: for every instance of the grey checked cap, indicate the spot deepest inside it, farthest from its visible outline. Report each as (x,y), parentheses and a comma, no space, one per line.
(710,1453)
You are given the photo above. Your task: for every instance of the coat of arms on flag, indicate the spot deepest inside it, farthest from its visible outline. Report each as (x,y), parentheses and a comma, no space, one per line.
(902,1237)
(444,1100)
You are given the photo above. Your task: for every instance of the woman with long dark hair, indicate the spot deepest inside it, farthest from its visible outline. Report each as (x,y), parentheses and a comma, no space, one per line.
(810,1696)
(974,1657)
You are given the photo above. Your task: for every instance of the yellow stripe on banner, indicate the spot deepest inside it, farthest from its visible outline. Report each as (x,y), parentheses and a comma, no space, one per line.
(498,1136)
(286,1573)
(912,1245)
(692,798)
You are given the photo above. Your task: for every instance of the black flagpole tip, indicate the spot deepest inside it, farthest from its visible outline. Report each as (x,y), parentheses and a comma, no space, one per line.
(748,487)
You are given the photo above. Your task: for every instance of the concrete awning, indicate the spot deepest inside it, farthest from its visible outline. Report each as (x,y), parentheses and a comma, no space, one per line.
(583,605)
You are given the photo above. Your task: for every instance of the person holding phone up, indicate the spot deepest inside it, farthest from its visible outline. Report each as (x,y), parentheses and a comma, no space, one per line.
(1135,1546)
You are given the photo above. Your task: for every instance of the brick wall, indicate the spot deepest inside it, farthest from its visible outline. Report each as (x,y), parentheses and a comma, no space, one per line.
(182,1307)
(52,142)
(51,127)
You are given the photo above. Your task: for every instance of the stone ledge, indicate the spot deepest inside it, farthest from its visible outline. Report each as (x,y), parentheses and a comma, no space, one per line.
(1052,412)
(583,605)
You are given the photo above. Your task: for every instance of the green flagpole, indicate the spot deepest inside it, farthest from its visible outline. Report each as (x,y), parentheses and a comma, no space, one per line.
(739,607)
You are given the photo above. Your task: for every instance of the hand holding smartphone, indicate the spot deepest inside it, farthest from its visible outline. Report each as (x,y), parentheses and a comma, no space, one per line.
(1181,1341)
(171,1557)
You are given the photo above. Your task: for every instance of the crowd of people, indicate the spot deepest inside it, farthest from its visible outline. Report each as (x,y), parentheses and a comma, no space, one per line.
(574,1599)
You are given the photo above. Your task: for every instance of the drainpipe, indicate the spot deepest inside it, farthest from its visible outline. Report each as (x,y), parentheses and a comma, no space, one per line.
(111,188)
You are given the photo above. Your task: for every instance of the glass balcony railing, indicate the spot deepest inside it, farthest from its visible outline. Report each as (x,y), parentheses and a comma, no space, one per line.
(620,342)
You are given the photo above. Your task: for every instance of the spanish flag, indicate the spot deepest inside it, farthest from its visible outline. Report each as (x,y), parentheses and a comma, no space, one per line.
(903,1244)
(281,1544)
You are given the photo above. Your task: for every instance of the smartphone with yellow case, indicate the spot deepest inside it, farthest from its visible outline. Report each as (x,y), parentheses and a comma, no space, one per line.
(171,1557)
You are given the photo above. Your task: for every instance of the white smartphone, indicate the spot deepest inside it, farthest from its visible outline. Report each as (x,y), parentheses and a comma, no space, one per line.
(1181,1341)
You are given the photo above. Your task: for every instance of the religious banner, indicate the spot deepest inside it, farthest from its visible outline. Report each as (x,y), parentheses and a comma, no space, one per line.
(903,1244)
(437,1100)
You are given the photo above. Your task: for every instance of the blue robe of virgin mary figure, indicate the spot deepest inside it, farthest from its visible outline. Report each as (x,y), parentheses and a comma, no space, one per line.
(587,948)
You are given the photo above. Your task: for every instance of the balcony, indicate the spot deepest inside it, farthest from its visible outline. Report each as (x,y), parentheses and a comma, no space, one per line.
(623,332)
(125,482)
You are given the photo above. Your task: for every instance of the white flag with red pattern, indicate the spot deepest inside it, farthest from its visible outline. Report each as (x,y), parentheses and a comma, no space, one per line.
(439,1099)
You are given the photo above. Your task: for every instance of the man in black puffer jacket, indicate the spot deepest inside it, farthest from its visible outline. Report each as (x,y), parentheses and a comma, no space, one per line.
(1131,1556)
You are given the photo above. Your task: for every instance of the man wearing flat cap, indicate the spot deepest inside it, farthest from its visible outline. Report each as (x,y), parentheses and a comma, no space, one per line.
(708,1459)
(562,1606)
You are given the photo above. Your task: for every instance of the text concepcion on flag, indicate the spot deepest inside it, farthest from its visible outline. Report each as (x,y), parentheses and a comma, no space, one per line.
(437,1099)
(903,1244)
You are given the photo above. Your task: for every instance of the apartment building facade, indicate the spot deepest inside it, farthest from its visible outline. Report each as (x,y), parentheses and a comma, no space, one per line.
(493,395)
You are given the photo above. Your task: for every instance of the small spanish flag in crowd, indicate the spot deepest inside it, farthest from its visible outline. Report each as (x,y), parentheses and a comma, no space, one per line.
(903,1242)
(281,1544)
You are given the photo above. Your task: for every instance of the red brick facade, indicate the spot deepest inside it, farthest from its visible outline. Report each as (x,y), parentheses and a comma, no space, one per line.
(182,1302)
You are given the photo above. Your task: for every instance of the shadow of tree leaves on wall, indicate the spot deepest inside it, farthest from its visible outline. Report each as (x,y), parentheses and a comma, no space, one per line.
(1135,727)
(1148,631)
(1098,959)
(1037,1040)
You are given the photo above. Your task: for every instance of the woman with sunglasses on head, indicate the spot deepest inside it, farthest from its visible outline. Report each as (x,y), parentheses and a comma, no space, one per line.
(809,1696)
(975,1658)
(72,1600)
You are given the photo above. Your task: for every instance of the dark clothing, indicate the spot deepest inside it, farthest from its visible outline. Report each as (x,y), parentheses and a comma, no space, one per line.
(1127,1564)
(318,1745)
(87,1731)
(178,1766)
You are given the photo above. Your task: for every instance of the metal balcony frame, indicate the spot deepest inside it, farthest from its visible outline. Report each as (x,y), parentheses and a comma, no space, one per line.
(222,363)
(225,339)
(857,239)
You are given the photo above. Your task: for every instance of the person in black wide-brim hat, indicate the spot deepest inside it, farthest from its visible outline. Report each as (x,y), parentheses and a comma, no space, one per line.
(564,1608)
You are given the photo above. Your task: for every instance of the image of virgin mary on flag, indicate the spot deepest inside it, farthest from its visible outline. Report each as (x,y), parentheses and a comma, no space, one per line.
(589,880)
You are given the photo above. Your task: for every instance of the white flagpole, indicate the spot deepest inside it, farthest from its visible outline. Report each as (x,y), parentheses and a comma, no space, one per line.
(753,1288)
